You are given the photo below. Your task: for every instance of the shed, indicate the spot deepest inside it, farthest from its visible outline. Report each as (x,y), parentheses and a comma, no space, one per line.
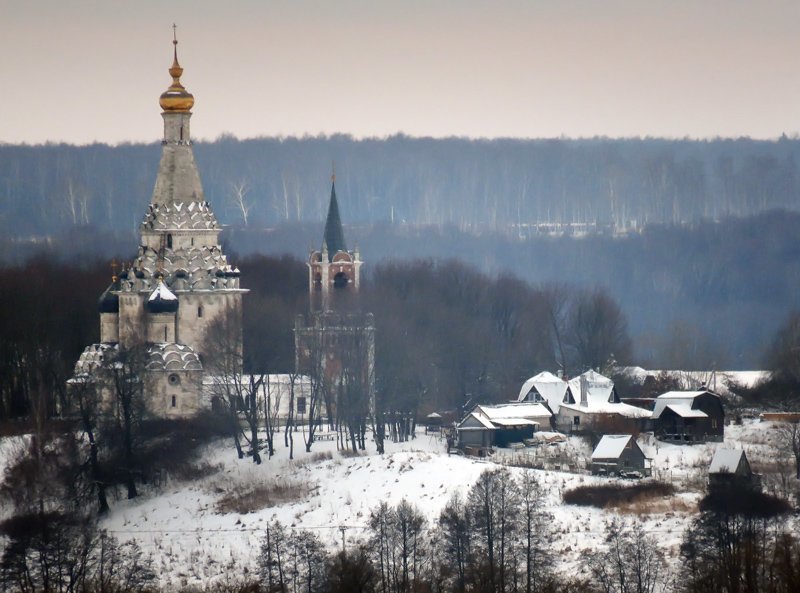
(730,467)
(433,422)
(616,454)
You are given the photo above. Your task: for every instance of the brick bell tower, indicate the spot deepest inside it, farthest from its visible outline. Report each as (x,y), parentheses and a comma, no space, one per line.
(335,340)
(333,272)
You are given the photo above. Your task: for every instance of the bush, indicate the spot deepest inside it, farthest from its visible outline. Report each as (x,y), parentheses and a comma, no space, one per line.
(615,495)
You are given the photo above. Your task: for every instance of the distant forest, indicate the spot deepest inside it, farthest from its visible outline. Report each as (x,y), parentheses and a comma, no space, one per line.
(494,185)
(696,240)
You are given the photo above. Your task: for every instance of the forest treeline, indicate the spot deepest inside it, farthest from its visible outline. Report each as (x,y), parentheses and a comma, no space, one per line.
(446,333)
(696,240)
(500,185)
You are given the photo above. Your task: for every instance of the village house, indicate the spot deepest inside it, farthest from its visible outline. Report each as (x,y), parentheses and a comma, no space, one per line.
(501,425)
(619,455)
(589,401)
(689,417)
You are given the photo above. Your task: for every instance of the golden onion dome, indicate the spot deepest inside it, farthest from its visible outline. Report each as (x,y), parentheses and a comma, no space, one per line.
(176,98)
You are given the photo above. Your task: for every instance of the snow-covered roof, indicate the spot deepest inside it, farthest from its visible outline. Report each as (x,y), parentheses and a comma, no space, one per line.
(550,387)
(684,411)
(475,418)
(527,410)
(169,356)
(620,409)
(725,461)
(93,357)
(718,381)
(514,422)
(611,446)
(162,293)
(599,389)
(679,401)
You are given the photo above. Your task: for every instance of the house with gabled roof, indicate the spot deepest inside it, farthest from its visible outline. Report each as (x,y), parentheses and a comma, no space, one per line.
(618,454)
(502,424)
(544,388)
(583,402)
(729,467)
(689,417)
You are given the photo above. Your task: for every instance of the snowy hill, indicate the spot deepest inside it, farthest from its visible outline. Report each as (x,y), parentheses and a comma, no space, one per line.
(211,526)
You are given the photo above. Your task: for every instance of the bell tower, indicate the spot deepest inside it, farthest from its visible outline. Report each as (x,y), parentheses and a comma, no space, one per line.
(333,272)
(335,342)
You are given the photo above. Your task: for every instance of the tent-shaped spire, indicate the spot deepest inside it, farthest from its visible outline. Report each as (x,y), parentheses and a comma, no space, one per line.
(333,241)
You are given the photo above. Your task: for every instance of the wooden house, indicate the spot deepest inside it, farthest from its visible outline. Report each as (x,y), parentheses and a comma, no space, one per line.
(689,417)
(618,454)
(587,402)
(730,468)
(500,425)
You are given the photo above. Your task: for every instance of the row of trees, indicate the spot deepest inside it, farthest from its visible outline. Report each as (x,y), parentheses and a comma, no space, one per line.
(498,539)
(491,184)
(495,540)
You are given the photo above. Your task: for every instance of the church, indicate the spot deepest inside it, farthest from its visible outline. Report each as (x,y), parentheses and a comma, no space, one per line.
(335,342)
(161,304)
(158,310)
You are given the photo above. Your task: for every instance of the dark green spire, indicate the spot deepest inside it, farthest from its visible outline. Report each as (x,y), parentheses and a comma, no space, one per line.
(334,236)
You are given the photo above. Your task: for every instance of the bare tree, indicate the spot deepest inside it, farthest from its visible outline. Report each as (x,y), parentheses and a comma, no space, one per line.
(126,369)
(238,199)
(222,345)
(535,544)
(598,330)
(86,398)
(789,438)
(492,503)
(272,406)
(632,562)
(456,528)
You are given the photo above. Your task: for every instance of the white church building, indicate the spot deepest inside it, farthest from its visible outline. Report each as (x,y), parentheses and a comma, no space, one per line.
(162,303)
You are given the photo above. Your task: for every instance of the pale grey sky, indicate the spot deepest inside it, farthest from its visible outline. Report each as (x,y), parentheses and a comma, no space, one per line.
(81,71)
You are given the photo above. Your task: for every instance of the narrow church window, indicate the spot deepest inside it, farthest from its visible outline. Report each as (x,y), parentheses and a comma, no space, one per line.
(192,241)
(174,401)
(169,240)
(165,333)
(181,133)
(200,310)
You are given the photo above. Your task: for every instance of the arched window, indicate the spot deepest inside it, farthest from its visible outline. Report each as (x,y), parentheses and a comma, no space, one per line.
(169,240)
(199,310)
(174,401)
(340,280)
(165,333)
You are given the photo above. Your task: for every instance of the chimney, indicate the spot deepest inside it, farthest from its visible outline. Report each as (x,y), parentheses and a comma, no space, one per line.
(584,388)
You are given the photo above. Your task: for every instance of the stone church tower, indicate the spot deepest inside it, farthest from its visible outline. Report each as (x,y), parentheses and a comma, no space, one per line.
(336,341)
(181,280)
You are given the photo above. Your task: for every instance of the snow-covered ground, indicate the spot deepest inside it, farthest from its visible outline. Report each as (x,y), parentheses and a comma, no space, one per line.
(192,539)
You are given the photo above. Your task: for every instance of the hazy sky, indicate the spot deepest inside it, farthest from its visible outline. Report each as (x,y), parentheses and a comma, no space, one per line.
(82,71)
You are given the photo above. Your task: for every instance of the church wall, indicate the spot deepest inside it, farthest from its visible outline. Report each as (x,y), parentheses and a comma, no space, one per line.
(193,322)
(109,327)
(174,394)
(161,327)
(131,318)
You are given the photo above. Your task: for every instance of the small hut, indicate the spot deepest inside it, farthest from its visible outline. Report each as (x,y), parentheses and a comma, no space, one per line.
(618,455)
(729,467)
